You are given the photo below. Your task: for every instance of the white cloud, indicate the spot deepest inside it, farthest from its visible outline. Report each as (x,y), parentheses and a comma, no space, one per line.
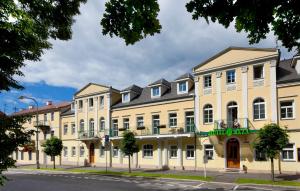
(92,57)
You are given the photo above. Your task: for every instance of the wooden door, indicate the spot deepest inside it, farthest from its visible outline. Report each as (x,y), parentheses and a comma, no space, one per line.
(233,153)
(92,153)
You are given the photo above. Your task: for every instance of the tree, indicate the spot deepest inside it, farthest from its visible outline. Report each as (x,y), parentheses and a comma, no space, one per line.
(271,140)
(129,146)
(25,30)
(133,20)
(53,148)
(12,135)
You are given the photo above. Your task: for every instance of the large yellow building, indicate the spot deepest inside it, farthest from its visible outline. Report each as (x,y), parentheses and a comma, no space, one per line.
(213,114)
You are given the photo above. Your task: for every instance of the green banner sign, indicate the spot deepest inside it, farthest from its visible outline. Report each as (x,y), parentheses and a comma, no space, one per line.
(230,131)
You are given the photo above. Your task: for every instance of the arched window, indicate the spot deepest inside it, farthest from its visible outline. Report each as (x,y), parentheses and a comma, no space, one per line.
(102,124)
(208,113)
(81,125)
(259,111)
(92,129)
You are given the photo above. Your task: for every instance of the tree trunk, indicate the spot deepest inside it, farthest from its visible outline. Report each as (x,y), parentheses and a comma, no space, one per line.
(53,162)
(129,168)
(272,169)
(279,164)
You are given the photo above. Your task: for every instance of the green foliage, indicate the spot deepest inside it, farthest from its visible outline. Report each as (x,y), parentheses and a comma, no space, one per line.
(12,135)
(129,144)
(25,30)
(53,147)
(130,19)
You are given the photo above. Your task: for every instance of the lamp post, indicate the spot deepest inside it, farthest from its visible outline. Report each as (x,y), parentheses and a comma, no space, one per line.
(37,130)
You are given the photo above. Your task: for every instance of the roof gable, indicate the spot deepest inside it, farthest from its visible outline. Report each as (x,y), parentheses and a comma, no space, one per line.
(91,88)
(235,55)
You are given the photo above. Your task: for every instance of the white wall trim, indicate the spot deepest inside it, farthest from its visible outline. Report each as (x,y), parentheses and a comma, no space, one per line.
(219,96)
(245,91)
(273,91)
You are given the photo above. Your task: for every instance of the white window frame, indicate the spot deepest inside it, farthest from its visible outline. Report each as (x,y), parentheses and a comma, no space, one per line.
(174,119)
(210,120)
(81,125)
(148,150)
(289,149)
(159,92)
(204,81)
(263,72)
(140,120)
(173,151)
(179,85)
(259,110)
(115,153)
(209,150)
(73,151)
(126,123)
(73,128)
(65,150)
(81,151)
(102,124)
(66,129)
(286,107)
(124,96)
(231,82)
(189,150)
(101,100)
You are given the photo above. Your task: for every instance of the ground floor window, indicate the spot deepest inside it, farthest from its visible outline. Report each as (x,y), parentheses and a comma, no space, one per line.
(173,151)
(115,152)
(65,151)
(73,151)
(209,151)
(288,152)
(29,155)
(260,156)
(190,152)
(102,151)
(81,151)
(148,151)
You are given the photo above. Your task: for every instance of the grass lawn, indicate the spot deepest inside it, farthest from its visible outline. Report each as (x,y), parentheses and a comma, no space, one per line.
(270,182)
(142,174)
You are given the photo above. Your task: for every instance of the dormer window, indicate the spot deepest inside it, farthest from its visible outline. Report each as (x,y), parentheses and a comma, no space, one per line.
(155,91)
(182,87)
(125,97)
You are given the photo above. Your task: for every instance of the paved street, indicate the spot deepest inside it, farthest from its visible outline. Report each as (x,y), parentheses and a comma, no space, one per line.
(55,181)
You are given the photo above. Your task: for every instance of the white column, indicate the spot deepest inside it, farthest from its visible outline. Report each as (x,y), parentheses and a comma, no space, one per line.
(245,94)
(159,158)
(165,161)
(196,101)
(179,153)
(219,95)
(96,115)
(273,91)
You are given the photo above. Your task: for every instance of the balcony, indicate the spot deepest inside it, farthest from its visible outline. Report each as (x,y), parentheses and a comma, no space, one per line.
(165,130)
(234,124)
(87,135)
(43,125)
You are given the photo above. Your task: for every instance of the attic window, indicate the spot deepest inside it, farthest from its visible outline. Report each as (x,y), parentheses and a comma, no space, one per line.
(155,91)
(125,97)
(182,87)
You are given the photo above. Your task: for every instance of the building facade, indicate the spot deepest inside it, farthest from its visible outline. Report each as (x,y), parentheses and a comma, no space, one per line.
(209,117)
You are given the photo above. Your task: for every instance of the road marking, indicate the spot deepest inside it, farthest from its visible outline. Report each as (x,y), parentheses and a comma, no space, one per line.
(236,187)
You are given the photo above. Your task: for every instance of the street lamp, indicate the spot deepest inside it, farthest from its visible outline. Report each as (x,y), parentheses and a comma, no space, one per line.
(37,130)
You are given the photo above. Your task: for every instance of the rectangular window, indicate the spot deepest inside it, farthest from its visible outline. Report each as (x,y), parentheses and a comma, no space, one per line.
(148,151)
(155,124)
(140,121)
(258,72)
(259,109)
(65,129)
(209,151)
(102,124)
(45,117)
(80,104)
(65,149)
(81,151)
(173,120)
(190,152)
(125,97)
(73,128)
(208,114)
(182,87)
(126,123)
(288,152)
(52,116)
(155,91)
(230,74)
(102,151)
(29,155)
(91,102)
(101,101)
(115,128)
(73,151)
(115,152)
(260,156)
(173,151)
(189,121)
(207,81)
(287,109)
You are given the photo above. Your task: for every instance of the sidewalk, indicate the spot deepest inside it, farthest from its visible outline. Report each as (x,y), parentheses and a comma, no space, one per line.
(228,177)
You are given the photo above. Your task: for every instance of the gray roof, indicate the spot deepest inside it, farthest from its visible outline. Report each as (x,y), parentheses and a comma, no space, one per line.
(185,76)
(286,73)
(67,111)
(134,88)
(161,82)
(145,96)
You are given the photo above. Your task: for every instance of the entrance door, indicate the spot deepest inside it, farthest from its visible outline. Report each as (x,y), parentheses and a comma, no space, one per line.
(232,114)
(92,153)
(233,153)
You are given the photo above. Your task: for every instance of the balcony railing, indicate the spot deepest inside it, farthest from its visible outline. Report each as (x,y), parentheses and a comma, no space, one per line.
(237,123)
(159,130)
(82,135)
(41,123)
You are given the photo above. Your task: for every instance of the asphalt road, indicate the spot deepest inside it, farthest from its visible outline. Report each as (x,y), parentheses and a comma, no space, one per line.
(60,181)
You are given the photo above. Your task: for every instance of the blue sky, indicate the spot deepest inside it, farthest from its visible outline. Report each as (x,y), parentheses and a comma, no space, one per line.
(91,57)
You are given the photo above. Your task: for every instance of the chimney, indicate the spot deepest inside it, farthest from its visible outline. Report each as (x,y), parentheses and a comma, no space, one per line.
(30,107)
(48,102)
